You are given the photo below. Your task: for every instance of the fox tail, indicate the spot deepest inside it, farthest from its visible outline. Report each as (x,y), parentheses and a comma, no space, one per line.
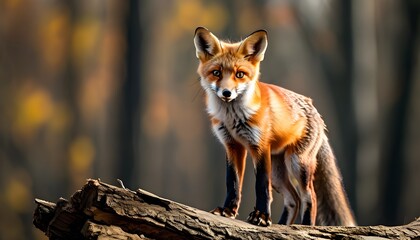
(333,205)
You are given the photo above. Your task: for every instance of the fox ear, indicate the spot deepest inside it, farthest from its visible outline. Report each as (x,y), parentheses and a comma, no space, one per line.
(254,46)
(206,44)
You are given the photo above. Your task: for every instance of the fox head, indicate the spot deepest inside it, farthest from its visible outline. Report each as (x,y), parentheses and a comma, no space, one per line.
(229,70)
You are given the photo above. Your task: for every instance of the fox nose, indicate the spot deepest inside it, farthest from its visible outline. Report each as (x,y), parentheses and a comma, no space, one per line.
(226,93)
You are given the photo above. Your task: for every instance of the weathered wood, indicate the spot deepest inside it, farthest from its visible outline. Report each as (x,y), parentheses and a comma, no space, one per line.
(93,230)
(103,211)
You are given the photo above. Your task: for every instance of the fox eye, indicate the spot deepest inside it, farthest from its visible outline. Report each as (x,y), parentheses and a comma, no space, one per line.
(240,74)
(216,73)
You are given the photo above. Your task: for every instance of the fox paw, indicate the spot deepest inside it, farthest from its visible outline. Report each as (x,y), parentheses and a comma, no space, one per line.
(259,218)
(224,211)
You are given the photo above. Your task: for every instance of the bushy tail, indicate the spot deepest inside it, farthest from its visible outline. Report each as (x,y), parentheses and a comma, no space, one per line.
(333,205)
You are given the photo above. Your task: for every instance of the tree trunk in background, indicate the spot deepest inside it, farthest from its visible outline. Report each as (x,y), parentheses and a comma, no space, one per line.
(365,100)
(343,91)
(130,107)
(395,133)
(70,90)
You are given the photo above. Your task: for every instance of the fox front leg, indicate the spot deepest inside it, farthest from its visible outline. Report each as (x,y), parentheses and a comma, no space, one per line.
(235,169)
(261,215)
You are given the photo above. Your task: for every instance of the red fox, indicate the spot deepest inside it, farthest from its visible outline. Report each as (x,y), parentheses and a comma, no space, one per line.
(280,129)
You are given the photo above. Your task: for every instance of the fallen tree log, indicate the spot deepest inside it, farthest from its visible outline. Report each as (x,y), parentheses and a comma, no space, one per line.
(103,211)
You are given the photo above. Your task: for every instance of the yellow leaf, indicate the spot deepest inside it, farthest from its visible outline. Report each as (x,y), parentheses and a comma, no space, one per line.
(60,118)
(85,38)
(12,5)
(53,39)
(81,153)
(18,194)
(34,108)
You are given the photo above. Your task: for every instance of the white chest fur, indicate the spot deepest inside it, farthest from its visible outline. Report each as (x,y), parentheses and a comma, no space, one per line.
(234,121)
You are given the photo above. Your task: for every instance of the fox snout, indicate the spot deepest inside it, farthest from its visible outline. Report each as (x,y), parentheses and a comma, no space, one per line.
(223,91)
(226,94)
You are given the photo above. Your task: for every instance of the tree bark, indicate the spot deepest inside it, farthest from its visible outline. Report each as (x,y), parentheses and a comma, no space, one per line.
(103,211)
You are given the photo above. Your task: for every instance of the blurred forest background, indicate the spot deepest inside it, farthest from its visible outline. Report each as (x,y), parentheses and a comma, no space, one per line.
(108,89)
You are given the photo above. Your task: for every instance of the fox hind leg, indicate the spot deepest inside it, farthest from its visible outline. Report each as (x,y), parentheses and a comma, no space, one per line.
(281,183)
(309,202)
(302,170)
(291,205)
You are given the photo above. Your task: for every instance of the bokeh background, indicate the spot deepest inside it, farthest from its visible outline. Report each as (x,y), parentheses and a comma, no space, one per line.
(109,90)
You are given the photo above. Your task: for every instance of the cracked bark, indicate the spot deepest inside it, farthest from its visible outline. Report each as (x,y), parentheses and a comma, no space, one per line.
(103,211)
